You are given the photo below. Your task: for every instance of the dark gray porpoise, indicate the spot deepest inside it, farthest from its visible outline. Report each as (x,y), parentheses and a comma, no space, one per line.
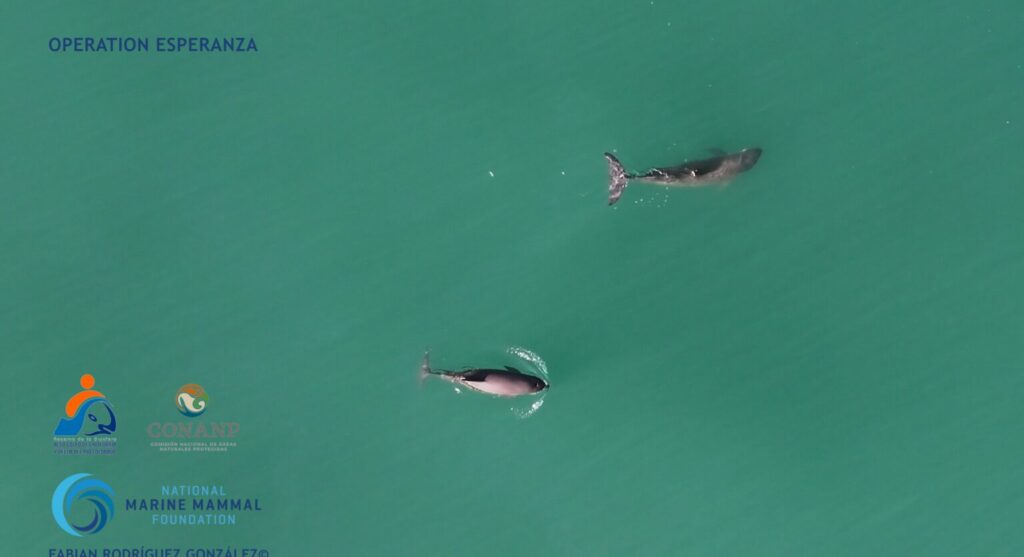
(506,382)
(717,169)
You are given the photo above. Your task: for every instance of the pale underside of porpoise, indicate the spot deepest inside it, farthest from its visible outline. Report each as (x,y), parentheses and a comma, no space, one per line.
(510,382)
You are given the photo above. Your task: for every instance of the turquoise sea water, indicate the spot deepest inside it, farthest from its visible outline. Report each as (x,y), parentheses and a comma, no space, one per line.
(818,359)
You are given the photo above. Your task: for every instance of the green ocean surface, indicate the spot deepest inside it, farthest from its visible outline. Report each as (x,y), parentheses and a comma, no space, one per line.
(821,358)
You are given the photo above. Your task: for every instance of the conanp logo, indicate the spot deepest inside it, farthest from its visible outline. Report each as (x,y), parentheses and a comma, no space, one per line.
(193,435)
(69,510)
(87,413)
(191,400)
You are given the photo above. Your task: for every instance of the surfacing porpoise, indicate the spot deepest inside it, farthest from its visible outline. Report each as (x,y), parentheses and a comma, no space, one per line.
(720,168)
(508,382)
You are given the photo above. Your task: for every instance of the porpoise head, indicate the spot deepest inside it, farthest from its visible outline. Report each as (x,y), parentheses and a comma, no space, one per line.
(749,157)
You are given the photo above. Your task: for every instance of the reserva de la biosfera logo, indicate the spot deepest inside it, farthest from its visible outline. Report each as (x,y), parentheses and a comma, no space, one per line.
(88,424)
(83,504)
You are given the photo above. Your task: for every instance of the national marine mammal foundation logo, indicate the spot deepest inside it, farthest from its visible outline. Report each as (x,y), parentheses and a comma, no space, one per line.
(193,435)
(88,424)
(83,504)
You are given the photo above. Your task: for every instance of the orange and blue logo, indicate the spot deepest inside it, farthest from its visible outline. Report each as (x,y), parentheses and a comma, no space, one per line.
(72,517)
(191,400)
(87,413)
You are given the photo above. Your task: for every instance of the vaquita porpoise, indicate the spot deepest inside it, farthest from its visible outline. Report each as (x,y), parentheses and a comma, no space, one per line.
(720,168)
(508,382)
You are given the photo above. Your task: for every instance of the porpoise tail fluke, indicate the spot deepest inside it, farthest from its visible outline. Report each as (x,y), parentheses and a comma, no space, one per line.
(425,367)
(618,179)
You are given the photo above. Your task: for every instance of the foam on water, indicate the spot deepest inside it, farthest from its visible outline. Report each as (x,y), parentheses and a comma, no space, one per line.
(536,366)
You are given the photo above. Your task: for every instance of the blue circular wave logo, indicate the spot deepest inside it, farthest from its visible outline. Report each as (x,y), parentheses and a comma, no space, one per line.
(69,512)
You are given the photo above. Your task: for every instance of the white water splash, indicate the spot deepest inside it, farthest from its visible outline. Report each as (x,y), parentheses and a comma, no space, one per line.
(523,414)
(540,367)
(532,357)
